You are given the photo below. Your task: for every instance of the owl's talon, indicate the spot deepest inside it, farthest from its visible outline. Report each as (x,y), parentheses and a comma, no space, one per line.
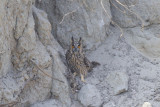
(82,78)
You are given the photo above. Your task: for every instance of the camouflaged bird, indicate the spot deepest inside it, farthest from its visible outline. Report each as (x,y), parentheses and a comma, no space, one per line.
(76,60)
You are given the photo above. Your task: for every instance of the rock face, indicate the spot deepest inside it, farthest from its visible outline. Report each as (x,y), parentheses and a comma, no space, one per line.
(30,64)
(17,29)
(89,96)
(33,59)
(146,41)
(118,81)
(43,26)
(146,104)
(49,103)
(131,15)
(60,88)
(86,19)
(13,19)
(110,104)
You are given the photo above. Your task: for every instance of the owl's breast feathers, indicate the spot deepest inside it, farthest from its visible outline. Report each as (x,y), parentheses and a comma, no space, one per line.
(77,62)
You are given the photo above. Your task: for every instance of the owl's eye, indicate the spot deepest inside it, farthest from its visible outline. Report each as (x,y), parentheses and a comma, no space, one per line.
(72,47)
(79,46)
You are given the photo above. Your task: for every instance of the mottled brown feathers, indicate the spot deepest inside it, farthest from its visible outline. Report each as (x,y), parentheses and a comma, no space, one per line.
(76,60)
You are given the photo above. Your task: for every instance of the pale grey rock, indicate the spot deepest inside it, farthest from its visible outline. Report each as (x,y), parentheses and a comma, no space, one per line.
(109,104)
(39,86)
(5,64)
(18,13)
(0,96)
(48,103)
(31,62)
(29,54)
(118,81)
(60,88)
(86,19)
(43,26)
(76,104)
(145,41)
(144,88)
(13,20)
(26,77)
(7,95)
(27,42)
(139,12)
(89,95)
(144,13)
(148,74)
(146,104)
(10,89)
(43,29)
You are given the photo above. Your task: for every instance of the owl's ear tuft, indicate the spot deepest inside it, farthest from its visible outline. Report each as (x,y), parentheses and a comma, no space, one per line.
(80,41)
(72,40)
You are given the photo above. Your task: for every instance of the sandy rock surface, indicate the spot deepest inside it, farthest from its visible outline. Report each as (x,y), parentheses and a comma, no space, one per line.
(76,18)
(118,81)
(33,70)
(146,104)
(89,95)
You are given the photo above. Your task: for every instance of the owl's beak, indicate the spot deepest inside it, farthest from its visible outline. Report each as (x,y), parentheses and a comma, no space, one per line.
(75,49)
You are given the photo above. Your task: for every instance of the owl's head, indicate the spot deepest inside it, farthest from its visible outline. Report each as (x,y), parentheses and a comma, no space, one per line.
(76,46)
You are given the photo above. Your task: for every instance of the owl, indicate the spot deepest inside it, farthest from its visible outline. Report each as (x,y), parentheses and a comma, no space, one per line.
(76,60)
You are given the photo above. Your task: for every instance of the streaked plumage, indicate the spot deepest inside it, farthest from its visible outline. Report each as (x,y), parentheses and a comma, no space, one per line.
(76,60)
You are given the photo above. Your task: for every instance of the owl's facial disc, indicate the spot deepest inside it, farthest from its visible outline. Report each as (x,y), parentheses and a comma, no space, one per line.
(76,48)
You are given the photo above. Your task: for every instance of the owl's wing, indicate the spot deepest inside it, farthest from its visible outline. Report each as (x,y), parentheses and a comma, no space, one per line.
(87,62)
(90,65)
